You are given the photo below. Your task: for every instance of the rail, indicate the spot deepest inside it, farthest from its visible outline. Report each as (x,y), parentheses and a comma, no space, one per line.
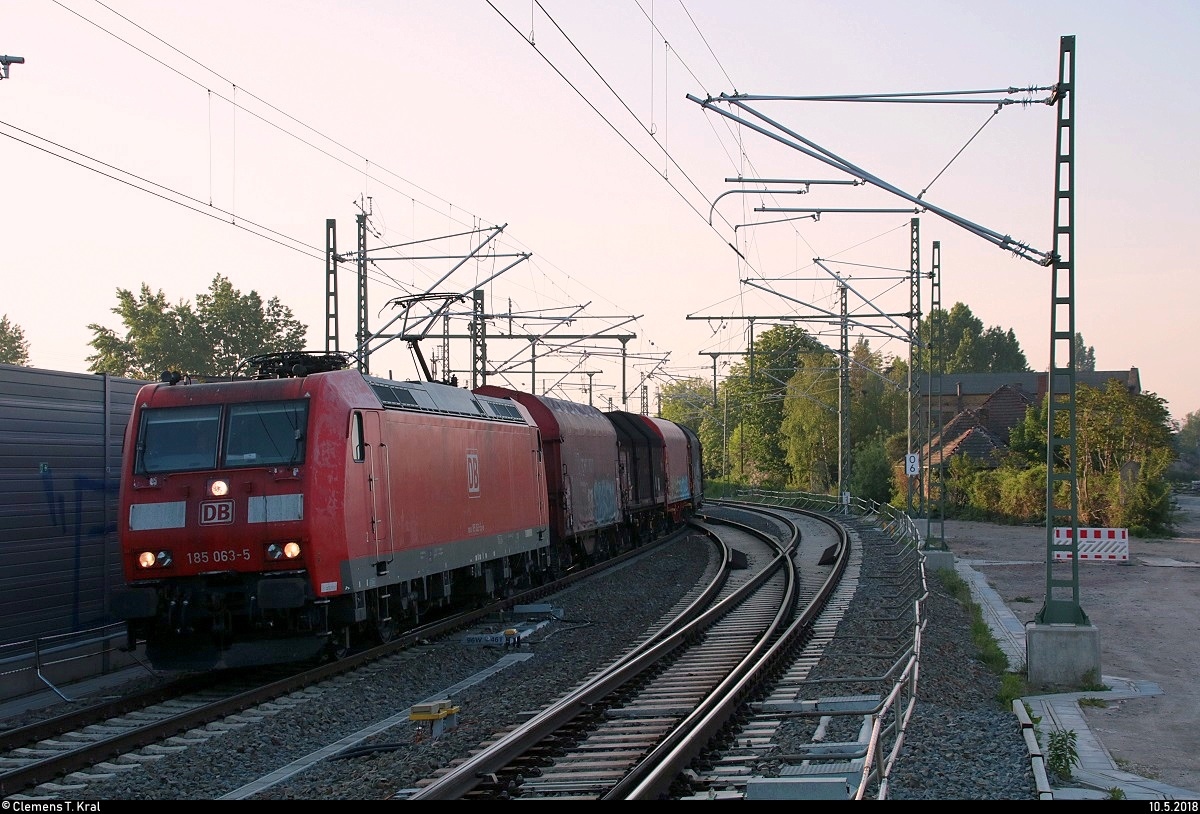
(890,717)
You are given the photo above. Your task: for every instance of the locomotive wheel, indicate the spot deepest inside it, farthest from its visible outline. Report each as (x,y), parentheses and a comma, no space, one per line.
(339,644)
(385,631)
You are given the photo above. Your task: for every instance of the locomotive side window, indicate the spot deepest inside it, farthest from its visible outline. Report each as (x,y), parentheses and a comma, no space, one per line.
(264,433)
(175,439)
(356,438)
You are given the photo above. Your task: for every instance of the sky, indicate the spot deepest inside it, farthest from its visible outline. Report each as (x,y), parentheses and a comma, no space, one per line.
(569,159)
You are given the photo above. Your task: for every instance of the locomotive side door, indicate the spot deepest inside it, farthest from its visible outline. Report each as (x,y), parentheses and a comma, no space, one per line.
(371,452)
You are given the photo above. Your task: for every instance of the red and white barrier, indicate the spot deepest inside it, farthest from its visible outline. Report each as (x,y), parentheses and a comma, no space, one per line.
(1106,545)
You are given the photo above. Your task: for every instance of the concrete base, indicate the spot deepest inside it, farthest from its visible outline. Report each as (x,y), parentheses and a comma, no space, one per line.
(938,560)
(1063,656)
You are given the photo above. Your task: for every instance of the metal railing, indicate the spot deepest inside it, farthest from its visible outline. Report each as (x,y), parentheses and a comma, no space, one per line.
(25,666)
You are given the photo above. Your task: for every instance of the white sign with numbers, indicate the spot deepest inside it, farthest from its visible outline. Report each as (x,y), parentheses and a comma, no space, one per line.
(912,464)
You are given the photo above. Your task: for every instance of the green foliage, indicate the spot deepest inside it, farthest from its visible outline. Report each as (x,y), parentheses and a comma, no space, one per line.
(1116,793)
(967,346)
(756,392)
(1085,355)
(1187,449)
(14,348)
(1061,753)
(1124,447)
(990,653)
(212,339)
(871,471)
(1093,702)
(1012,492)
(1012,687)
(810,424)
(775,423)
(688,402)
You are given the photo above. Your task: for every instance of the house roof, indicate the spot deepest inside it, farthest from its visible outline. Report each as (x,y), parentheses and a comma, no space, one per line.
(1004,409)
(979,384)
(966,434)
(982,432)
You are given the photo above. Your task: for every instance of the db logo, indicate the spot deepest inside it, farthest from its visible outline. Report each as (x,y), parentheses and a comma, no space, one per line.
(216,512)
(472,473)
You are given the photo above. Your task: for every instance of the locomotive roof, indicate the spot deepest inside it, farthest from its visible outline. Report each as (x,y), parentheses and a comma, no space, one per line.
(427,397)
(443,398)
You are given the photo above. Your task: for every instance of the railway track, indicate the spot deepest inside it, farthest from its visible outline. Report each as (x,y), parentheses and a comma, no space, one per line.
(831,722)
(776,719)
(67,752)
(633,729)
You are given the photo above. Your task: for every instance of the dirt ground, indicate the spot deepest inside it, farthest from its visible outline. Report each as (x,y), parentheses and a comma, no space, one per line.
(1148,615)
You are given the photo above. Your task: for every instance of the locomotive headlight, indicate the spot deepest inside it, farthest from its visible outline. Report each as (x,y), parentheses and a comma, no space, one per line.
(218,487)
(283,551)
(151,559)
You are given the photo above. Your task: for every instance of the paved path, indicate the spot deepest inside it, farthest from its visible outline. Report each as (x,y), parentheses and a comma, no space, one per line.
(1096,774)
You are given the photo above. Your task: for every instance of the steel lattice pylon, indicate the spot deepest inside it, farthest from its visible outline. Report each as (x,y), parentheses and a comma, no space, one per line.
(935,523)
(1062,486)
(915,505)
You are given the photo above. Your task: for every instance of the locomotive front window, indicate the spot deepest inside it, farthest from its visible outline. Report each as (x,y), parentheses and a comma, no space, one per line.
(176,439)
(264,433)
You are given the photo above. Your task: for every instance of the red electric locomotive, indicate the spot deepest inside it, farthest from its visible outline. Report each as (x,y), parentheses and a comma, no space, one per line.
(278,518)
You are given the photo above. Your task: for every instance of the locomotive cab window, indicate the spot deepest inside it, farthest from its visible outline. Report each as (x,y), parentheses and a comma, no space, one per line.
(177,439)
(356,438)
(266,433)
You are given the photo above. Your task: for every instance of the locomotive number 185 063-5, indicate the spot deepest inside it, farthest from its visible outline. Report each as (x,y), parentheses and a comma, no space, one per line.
(204,557)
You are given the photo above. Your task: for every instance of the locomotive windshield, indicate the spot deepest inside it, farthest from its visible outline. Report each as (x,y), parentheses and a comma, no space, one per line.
(180,439)
(270,432)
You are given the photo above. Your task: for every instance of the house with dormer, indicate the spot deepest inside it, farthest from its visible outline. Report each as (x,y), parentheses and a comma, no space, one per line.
(977,411)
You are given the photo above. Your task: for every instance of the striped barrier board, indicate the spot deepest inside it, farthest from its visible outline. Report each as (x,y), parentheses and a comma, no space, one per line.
(1103,544)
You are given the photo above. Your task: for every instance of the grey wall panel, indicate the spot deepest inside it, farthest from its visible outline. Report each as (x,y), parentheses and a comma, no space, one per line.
(61,436)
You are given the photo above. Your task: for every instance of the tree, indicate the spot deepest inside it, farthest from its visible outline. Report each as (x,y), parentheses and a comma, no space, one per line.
(14,349)
(1124,447)
(237,326)
(225,328)
(686,401)
(1187,445)
(810,424)
(871,473)
(967,347)
(757,389)
(1085,355)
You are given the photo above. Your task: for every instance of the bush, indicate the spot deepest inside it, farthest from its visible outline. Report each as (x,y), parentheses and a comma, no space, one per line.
(1061,753)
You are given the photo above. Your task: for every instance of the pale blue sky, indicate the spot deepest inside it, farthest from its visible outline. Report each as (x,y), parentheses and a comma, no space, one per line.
(584,144)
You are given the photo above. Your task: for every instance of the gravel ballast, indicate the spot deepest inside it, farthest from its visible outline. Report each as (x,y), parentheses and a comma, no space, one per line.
(960,744)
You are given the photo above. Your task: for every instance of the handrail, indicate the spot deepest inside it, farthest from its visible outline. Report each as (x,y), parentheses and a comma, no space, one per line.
(41,654)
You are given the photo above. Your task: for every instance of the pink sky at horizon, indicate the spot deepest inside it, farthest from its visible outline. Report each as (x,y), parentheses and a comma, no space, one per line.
(168,143)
